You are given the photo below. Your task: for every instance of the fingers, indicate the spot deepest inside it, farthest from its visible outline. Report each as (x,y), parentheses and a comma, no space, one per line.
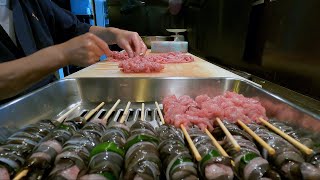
(102,45)
(143,48)
(126,46)
(136,43)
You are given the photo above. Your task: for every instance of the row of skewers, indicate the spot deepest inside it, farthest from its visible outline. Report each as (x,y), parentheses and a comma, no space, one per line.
(71,149)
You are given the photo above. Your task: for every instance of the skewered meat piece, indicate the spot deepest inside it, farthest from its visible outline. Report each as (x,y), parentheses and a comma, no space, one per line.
(176,157)
(142,158)
(249,164)
(41,160)
(288,160)
(107,158)
(73,159)
(20,145)
(213,165)
(313,158)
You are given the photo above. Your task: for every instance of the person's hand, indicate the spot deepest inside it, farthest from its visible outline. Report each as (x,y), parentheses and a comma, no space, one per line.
(84,50)
(131,42)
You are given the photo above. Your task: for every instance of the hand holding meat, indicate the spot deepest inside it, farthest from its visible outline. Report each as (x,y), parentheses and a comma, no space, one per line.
(83,50)
(131,42)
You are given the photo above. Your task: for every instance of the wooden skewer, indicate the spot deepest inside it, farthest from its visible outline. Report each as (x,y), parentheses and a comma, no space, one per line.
(160,113)
(88,116)
(108,64)
(21,174)
(190,142)
(125,113)
(105,119)
(287,137)
(229,136)
(270,150)
(215,143)
(65,115)
(219,147)
(142,112)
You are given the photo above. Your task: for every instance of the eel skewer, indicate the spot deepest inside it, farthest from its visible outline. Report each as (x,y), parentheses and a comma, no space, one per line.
(265,145)
(296,143)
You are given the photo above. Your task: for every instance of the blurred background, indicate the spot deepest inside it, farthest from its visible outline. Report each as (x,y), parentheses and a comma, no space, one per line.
(276,40)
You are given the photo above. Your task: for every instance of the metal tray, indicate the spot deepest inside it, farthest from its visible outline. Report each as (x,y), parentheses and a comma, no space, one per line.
(54,99)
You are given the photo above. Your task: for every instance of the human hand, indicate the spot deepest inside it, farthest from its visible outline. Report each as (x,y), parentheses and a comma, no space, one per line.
(84,50)
(131,42)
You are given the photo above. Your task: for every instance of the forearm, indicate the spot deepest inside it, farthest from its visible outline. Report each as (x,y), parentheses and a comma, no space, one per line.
(107,34)
(17,75)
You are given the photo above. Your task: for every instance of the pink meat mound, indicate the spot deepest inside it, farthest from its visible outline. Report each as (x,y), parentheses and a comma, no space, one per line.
(204,110)
(140,65)
(163,58)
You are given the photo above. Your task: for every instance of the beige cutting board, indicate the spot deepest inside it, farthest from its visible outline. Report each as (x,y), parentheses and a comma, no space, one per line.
(198,68)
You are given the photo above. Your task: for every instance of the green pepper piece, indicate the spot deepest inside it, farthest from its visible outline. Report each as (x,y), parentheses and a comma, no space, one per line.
(245,160)
(179,161)
(109,176)
(105,147)
(210,155)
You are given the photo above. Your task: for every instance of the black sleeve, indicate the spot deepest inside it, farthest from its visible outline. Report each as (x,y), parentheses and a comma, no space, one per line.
(65,24)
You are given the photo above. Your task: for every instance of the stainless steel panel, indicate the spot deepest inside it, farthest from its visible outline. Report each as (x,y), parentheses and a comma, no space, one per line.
(51,100)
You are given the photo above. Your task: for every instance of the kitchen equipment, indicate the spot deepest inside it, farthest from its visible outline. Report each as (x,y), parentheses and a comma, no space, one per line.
(169,46)
(54,98)
(148,39)
(177,36)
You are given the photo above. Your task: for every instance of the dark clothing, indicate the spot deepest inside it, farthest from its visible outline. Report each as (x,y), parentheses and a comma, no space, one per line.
(38,24)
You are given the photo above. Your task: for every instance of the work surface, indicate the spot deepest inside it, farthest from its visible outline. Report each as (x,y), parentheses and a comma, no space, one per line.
(198,68)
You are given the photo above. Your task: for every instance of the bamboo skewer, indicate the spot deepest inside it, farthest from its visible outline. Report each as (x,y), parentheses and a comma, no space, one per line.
(105,119)
(125,113)
(296,143)
(64,116)
(219,147)
(142,112)
(229,136)
(88,116)
(160,113)
(270,150)
(190,142)
(23,173)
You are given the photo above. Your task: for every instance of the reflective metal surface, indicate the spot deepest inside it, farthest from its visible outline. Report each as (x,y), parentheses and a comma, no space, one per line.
(55,98)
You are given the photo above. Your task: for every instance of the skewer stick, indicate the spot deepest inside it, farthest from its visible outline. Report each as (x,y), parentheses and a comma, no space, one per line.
(160,113)
(21,174)
(219,147)
(142,112)
(270,150)
(65,115)
(88,116)
(215,143)
(125,113)
(296,143)
(229,136)
(105,119)
(190,142)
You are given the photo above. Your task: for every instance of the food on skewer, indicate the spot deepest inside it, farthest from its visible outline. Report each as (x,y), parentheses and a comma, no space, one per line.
(203,110)
(20,145)
(142,158)
(176,158)
(41,160)
(249,163)
(72,161)
(213,165)
(288,160)
(106,159)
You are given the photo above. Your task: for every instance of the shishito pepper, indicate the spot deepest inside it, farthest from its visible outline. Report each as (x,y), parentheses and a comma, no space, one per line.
(107,146)
(244,161)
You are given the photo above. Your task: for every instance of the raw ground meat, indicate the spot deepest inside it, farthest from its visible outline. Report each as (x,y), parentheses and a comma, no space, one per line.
(140,65)
(148,63)
(204,110)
